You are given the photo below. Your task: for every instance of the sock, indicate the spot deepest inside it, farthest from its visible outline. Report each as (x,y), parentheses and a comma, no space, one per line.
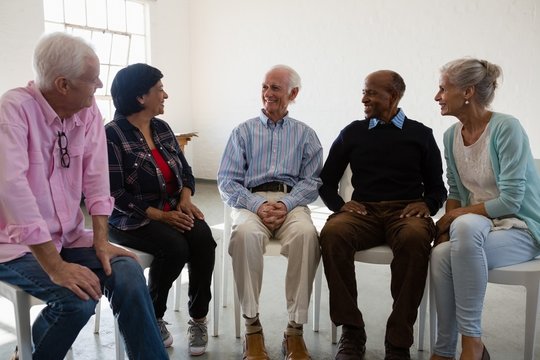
(253,325)
(294,329)
(199,321)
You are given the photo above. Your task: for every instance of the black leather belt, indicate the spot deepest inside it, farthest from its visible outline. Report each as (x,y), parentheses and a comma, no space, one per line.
(274,186)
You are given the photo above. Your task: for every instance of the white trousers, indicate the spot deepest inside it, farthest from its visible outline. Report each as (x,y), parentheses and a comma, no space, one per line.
(299,243)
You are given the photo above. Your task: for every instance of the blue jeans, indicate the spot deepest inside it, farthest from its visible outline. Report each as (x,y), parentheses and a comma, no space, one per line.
(58,325)
(459,274)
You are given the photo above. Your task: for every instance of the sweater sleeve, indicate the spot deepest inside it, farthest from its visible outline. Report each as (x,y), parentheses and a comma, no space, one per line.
(331,174)
(511,145)
(434,189)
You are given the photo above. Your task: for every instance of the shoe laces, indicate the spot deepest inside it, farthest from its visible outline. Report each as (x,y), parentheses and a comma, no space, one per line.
(198,332)
(162,328)
(350,343)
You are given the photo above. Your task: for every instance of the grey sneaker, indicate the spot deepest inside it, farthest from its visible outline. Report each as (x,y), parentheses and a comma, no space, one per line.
(165,334)
(198,337)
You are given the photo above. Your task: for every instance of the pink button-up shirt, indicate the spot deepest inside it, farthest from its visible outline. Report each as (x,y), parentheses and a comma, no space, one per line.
(40,199)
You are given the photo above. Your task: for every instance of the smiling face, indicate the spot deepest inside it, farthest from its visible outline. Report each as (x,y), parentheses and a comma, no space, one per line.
(154,100)
(275,94)
(451,98)
(378,99)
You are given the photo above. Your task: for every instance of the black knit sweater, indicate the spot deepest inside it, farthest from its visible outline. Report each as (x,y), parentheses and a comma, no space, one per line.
(387,164)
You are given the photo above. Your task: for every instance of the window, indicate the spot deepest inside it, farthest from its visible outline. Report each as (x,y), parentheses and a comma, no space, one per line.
(116,28)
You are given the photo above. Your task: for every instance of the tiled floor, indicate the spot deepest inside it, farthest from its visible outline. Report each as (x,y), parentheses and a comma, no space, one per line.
(503,316)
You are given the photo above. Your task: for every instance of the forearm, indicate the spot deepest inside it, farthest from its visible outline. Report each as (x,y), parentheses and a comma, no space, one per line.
(100,228)
(454,209)
(48,257)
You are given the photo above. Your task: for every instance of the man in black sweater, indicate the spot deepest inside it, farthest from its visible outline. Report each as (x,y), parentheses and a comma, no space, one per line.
(397,180)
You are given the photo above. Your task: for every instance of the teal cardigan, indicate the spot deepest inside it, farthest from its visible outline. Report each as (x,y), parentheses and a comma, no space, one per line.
(516,176)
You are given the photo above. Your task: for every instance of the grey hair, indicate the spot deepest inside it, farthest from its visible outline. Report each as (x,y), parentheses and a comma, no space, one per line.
(481,74)
(294,78)
(60,54)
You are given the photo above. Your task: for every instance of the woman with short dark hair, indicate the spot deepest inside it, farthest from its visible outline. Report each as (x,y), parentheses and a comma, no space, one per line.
(152,184)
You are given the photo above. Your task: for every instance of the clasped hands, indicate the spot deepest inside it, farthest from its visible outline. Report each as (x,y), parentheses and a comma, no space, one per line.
(272,214)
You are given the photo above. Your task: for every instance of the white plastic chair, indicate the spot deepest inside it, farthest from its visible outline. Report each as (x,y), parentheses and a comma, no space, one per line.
(526,274)
(272,249)
(381,254)
(22,302)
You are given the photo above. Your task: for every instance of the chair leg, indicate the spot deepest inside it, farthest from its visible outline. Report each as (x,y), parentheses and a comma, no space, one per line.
(317,297)
(422,314)
(227,226)
(97,320)
(177,292)
(22,322)
(432,319)
(237,319)
(531,312)
(119,340)
(422,319)
(216,286)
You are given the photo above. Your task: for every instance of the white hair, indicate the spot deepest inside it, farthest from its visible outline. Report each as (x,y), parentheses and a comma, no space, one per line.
(294,78)
(60,54)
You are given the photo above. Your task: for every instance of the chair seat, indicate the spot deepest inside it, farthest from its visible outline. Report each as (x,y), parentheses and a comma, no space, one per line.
(381,254)
(518,274)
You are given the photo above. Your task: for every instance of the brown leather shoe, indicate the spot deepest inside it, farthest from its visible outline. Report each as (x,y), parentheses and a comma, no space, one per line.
(254,348)
(294,348)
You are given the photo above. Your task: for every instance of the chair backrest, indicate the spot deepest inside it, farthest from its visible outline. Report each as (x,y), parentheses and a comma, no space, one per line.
(345,185)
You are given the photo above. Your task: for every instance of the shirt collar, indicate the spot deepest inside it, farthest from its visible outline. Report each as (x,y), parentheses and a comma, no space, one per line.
(397,120)
(50,114)
(266,121)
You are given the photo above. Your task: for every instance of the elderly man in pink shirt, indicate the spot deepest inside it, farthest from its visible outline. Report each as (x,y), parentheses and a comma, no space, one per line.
(52,151)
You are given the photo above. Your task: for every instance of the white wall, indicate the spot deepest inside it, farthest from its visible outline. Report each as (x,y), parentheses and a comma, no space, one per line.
(214,54)
(335,44)
(21,24)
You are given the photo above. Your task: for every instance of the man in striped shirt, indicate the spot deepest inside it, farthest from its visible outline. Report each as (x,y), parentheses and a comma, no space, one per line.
(269,173)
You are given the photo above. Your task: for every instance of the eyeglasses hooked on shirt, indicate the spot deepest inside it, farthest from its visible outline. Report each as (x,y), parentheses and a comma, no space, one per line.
(62,144)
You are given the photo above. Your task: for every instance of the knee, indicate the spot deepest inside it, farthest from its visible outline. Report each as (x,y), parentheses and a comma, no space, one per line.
(127,275)
(333,239)
(413,240)
(244,236)
(203,234)
(469,226)
(468,233)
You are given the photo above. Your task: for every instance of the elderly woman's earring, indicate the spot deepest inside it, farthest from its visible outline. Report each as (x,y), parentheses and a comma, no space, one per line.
(466,102)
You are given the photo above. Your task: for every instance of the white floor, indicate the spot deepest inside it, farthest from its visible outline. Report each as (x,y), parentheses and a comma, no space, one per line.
(503,315)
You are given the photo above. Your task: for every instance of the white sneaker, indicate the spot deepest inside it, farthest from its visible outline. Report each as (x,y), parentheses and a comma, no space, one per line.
(166,336)
(198,337)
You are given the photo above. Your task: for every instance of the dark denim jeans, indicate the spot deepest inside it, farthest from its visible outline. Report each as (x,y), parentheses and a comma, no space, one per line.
(59,323)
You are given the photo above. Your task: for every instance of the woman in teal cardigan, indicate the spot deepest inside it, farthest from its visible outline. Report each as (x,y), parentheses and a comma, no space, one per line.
(492,216)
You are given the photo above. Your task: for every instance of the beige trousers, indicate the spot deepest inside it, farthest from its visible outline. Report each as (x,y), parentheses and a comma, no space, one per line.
(299,243)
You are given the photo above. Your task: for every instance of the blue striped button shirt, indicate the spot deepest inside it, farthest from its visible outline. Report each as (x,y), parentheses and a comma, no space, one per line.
(261,151)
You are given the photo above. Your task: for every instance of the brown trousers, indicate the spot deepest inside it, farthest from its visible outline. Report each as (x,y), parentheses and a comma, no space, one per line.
(410,240)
